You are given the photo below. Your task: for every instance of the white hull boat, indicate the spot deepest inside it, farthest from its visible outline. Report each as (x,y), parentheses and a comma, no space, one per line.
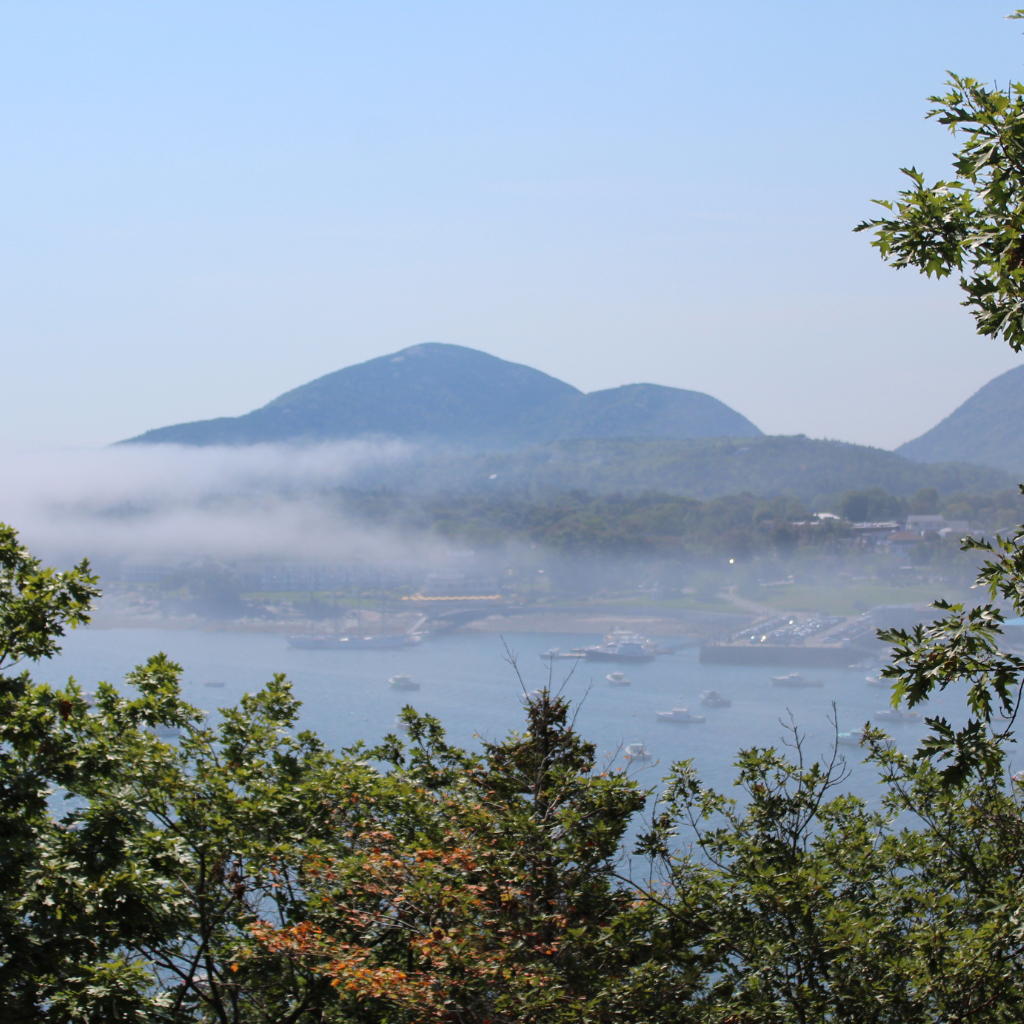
(350,643)
(795,680)
(403,683)
(679,715)
(618,679)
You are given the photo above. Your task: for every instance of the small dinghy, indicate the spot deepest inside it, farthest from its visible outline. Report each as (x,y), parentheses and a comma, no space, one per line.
(618,679)
(403,683)
(796,680)
(637,752)
(897,715)
(850,739)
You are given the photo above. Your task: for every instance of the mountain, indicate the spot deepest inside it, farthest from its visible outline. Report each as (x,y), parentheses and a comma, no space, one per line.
(459,395)
(809,469)
(638,410)
(986,429)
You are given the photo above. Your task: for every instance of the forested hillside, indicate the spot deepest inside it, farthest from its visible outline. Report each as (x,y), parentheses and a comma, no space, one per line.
(985,430)
(770,467)
(658,524)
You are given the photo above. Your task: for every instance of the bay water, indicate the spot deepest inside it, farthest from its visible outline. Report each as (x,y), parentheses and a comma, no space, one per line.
(467,682)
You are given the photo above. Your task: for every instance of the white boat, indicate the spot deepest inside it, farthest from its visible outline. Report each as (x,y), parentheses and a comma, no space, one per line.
(637,752)
(527,698)
(622,646)
(876,681)
(551,654)
(678,715)
(625,650)
(794,679)
(401,723)
(403,683)
(618,679)
(897,715)
(850,739)
(714,699)
(350,643)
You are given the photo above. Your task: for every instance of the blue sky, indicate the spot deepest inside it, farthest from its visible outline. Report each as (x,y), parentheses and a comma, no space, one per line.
(206,204)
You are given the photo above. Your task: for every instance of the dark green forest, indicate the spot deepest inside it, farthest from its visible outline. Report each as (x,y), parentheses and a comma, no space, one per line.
(806,468)
(659,524)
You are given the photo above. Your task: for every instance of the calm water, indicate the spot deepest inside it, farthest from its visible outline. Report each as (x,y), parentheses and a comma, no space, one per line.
(467,684)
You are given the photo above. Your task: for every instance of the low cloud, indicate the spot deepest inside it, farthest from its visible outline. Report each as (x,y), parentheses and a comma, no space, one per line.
(169,503)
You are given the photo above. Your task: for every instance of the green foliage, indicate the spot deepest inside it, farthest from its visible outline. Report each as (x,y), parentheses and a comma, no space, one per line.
(924,502)
(242,873)
(799,903)
(871,506)
(970,225)
(963,648)
(37,604)
(652,524)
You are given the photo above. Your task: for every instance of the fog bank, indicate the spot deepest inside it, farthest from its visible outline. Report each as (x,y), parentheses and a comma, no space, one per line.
(169,502)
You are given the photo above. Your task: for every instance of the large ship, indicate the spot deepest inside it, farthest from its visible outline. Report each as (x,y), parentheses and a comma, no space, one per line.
(313,642)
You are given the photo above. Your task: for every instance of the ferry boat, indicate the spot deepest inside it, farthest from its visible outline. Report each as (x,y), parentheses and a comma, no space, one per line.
(637,752)
(618,679)
(628,648)
(794,679)
(312,642)
(678,715)
(403,683)
(714,699)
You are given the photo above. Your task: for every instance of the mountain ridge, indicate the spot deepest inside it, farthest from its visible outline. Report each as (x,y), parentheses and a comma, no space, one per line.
(453,394)
(985,430)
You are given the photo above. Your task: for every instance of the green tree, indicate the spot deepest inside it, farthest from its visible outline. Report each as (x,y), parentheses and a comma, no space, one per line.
(492,895)
(137,901)
(971,225)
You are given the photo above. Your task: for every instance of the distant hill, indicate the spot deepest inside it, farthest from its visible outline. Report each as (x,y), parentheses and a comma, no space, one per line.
(637,410)
(765,466)
(459,395)
(988,429)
